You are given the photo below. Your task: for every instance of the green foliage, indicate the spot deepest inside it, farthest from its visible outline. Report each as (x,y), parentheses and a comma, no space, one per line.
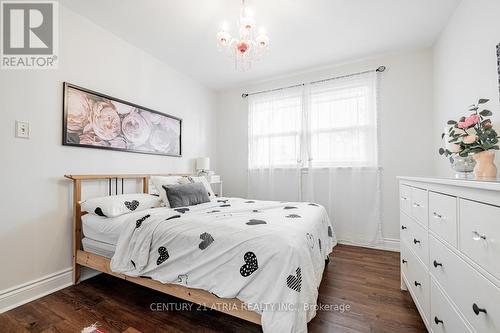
(478,134)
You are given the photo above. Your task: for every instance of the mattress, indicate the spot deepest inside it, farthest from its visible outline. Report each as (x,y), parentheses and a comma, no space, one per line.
(99,248)
(108,229)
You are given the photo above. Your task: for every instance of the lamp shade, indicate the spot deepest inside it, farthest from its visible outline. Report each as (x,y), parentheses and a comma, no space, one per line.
(203,163)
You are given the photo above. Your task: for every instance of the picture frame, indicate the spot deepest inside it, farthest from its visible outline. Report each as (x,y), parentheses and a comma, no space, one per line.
(95,120)
(498,66)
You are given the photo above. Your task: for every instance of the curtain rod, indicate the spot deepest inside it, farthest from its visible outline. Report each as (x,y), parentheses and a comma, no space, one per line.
(380,69)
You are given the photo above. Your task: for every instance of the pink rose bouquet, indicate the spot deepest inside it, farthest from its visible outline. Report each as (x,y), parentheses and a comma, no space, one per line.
(469,121)
(472,134)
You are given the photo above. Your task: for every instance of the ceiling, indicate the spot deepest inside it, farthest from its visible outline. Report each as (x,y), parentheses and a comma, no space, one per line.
(303,33)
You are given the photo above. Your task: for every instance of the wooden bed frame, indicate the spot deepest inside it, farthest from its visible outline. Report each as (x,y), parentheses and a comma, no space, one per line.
(232,306)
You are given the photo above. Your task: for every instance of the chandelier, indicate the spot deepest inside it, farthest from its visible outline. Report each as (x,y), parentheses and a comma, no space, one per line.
(244,49)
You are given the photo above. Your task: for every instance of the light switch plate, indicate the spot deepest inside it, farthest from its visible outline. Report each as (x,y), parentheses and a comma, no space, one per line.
(22,129)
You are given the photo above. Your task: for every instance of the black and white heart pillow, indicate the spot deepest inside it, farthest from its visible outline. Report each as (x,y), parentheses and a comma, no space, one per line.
(116,205)
(98,211)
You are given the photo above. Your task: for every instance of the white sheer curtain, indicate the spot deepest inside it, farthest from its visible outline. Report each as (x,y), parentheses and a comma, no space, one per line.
(319,142)
(274,144)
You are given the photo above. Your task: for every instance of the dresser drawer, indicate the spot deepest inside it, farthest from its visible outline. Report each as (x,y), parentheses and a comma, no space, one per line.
(404,227)
(419,207)
(444,318)
(407,259)
(405,198)
(418,283)
(416,238)
(468,289)
(480,234)
(443,216)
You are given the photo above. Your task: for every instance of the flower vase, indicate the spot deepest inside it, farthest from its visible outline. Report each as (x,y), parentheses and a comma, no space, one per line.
(485,167)
(463,166)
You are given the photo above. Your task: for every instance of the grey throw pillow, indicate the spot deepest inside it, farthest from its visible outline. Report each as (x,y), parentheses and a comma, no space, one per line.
(186,194)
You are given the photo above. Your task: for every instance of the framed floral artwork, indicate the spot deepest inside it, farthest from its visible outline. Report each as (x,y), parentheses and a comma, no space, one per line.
(95,120)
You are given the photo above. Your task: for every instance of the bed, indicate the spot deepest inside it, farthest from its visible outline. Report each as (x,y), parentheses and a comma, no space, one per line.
(261,261)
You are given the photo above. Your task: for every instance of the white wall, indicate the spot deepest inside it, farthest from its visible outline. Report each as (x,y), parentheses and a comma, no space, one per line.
(35,228)
(465,67)
(405,114)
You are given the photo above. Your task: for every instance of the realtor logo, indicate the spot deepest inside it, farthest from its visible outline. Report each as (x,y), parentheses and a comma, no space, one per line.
(29,34)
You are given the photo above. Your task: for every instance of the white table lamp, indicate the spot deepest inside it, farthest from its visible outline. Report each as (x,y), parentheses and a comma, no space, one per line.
(203,165)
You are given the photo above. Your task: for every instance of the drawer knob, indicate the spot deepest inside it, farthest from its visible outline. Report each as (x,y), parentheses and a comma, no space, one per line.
(403,227)
(415,241)
(438,321)
(436,264)
(416,204)
(437,216)
(404,261)
(478,236)
(417,284)
(477,309)
(404,198)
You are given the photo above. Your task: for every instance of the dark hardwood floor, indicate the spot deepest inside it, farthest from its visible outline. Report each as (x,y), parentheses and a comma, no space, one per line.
(367,280)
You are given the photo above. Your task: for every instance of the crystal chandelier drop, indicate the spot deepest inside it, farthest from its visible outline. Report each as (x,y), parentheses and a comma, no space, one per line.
(245,49)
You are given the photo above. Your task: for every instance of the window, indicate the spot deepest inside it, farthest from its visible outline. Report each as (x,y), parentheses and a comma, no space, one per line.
(275,130)
(328,124)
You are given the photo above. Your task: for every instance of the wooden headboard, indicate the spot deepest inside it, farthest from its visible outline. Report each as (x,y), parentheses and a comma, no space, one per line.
(112,180)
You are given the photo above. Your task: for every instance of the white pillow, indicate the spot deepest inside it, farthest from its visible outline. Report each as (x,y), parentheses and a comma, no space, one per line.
(159,181)
(117,205)
(205,183)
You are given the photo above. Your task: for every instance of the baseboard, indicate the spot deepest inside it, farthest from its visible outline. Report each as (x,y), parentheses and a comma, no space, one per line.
(30,291)
(27,292)
(388,244)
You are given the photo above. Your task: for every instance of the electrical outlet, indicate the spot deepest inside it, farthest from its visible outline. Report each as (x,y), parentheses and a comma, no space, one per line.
(22,129)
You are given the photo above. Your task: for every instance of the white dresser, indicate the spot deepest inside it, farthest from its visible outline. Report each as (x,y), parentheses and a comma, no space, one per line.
(450,252)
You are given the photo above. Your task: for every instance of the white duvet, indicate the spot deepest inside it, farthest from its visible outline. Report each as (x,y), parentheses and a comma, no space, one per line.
(269,255)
